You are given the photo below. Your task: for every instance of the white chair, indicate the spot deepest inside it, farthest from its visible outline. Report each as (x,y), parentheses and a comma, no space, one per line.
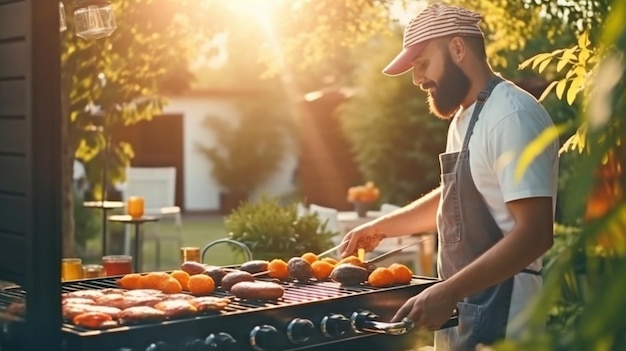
(157,185)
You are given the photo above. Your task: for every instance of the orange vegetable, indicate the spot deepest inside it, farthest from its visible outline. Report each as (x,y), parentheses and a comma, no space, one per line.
(200,284)
(321,269)
(401,273)
(380,277)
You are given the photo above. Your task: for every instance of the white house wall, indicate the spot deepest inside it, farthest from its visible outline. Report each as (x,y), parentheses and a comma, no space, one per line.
(201,190)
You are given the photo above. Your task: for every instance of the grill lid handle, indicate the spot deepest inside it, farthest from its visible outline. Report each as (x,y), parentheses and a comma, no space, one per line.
(366,321)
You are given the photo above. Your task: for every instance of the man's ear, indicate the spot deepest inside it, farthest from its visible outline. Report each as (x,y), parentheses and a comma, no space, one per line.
(457,49)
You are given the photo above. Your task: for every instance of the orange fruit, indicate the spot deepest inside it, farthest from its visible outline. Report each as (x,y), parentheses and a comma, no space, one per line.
(152,280)
(330,260)
(130,281)
(310,257)
(278,269)
(321,269)
(201,284)
(401,273)
(182,277)
(381,276)
(170,286)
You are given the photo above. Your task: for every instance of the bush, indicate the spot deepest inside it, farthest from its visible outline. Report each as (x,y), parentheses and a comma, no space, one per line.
(272,230)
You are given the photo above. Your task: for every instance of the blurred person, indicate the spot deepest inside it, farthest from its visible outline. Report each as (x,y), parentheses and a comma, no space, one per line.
(493,226)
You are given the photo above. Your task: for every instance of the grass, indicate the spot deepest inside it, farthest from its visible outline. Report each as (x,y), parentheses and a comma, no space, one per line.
(197,230)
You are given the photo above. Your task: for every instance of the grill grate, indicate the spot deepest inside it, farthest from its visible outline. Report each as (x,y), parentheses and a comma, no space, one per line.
(295,293)
(312,300)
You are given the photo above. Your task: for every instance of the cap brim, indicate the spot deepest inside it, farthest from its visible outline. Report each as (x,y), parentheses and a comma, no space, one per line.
(402,62)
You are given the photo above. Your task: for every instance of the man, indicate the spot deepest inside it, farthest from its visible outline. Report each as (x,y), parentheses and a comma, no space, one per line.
(493,225)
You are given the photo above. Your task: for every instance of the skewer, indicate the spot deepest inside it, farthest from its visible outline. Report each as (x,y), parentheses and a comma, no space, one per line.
(336,247)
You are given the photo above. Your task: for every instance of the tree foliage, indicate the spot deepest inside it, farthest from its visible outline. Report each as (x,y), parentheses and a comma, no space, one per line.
(584,294)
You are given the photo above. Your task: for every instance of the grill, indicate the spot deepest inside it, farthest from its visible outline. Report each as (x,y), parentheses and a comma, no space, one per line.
(312,316)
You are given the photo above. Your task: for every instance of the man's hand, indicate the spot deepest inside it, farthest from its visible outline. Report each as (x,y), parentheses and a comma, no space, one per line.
(365,236)
(430,309)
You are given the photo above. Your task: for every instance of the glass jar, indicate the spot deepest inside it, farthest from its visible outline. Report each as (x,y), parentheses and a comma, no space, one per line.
(71,269)
(117,264)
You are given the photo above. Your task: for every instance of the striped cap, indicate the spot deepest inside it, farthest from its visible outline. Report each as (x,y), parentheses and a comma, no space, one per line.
(437,20)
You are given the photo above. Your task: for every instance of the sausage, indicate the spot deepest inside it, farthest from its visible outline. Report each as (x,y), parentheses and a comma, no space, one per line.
(193,267)
(300,269)
(254,266)
(215,272)
(93,320)
(232,278)
(257,290)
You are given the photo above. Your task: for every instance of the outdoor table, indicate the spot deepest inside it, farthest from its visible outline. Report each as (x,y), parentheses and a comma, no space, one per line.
(104,207)
(136,222)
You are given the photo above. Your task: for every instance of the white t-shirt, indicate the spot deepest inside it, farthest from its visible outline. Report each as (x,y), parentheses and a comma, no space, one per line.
(510,119)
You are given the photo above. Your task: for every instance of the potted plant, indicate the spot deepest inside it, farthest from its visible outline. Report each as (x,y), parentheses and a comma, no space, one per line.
(272,230)
(246,153)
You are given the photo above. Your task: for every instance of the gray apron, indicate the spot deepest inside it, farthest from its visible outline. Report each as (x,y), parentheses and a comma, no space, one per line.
(466,230)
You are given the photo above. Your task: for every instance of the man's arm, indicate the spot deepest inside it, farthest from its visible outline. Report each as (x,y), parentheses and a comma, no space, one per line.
(414,218)
(531,236)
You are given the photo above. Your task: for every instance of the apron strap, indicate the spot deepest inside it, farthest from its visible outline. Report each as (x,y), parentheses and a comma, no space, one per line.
(480,101)
(531,271)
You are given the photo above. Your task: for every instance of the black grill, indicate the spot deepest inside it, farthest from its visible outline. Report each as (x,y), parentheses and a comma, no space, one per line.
(312,301)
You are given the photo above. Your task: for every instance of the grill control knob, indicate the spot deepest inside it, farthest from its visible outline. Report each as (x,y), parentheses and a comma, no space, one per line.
(221,342)
(192,344)
(300,330)
(335,325)
(160,346)
(265,337)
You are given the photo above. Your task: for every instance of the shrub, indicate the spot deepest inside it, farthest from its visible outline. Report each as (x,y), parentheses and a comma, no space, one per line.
(273,230)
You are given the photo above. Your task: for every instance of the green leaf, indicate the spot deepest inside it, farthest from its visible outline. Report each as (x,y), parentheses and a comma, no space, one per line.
(583,56)
(583,40)
(562,62)
(560,88)
(548,90)
(541,58)
(543,65)
(574,88)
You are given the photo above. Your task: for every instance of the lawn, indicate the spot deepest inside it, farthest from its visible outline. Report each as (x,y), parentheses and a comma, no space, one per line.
(197,230)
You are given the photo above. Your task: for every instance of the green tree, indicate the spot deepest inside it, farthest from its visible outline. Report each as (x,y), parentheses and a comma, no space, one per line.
(584,294)
(117,80)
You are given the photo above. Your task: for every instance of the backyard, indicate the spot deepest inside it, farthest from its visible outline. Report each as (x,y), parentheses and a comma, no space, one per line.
(197,230)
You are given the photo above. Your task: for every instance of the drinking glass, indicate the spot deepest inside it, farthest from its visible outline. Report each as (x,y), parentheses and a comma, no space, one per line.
(93,19)
(117,264)
(135,206)
(71,269)
(190,253)
(93,271)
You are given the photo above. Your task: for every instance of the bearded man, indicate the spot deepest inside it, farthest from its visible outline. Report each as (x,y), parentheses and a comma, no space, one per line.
(493,224)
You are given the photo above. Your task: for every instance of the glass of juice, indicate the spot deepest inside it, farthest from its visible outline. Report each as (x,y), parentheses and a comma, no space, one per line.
(71,268)
(93,271)
(135,206)
(189,253)
(117,264)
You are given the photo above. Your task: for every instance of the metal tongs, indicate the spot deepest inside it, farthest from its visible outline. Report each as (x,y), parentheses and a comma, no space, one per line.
(377,258)
(394,251)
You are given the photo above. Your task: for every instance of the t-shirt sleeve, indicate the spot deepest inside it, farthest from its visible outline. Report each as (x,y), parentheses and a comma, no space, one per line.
(508,140)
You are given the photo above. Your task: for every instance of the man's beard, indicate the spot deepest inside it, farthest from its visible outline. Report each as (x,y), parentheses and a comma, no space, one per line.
(450,90)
